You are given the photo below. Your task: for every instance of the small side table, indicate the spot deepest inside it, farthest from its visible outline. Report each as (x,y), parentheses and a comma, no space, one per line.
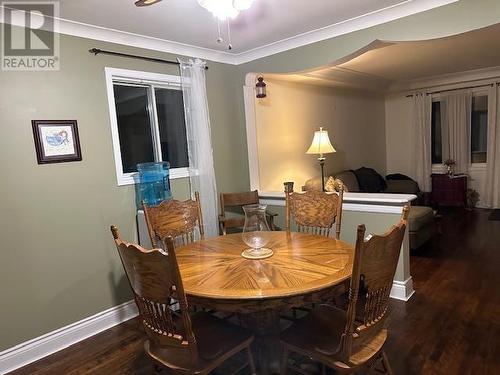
(449,190)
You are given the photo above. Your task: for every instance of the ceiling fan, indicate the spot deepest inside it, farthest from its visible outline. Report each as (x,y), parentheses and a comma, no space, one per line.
(145,3)
(223,10)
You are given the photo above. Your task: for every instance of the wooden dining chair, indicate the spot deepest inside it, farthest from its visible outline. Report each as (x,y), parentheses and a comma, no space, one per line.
(176,219)
(313,211)
(352,339)
(176,341)
(231,202)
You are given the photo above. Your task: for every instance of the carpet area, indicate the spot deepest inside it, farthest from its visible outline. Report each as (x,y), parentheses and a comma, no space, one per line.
(495,215)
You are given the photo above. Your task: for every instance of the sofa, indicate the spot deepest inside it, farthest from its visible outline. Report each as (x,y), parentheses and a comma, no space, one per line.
(421,223)
(351,184)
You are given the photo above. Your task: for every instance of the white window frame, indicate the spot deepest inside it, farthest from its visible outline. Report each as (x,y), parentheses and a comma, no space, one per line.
(440,168)
(138,77)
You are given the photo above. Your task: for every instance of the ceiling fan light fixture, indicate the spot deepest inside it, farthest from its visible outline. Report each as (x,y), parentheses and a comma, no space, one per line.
(242,4)
(145,3)
(224,9)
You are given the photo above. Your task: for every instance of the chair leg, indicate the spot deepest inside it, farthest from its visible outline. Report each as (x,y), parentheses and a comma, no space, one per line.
(251,363)
(284,363)
(385,364)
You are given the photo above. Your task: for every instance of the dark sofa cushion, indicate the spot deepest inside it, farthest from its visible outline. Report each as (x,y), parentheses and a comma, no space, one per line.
(402,187)
(397,176)
(369,180)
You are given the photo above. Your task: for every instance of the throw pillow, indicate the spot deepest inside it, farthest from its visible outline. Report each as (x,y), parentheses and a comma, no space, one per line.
(334,184)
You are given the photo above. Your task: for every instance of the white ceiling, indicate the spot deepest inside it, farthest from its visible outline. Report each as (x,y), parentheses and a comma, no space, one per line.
(268,27)
(408,61)
(184,21)
(388,66)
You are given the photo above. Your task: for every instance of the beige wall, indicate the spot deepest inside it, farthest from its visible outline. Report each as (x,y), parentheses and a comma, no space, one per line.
(58,263)
(459,17)
(399,145)
(287,118)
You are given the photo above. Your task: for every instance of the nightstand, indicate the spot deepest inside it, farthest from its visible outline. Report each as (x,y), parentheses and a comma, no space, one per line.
(449,190)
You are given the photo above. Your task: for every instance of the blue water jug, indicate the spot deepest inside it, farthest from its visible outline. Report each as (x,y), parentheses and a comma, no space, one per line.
(153,183)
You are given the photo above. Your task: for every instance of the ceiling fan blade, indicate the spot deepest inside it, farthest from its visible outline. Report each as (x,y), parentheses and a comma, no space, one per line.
(145,3)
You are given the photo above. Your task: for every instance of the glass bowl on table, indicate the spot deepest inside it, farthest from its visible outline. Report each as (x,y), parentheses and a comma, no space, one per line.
(256,232)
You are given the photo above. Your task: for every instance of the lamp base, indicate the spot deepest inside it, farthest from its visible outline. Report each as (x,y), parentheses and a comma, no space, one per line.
(322,166)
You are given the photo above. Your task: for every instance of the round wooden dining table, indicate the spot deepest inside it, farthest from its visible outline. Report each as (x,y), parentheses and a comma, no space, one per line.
(304,269)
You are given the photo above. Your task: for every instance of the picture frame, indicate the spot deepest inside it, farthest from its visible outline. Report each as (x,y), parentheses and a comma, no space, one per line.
(56,141)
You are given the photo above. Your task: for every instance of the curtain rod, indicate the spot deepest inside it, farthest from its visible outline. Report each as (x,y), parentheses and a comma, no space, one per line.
(97,51)
(458,88)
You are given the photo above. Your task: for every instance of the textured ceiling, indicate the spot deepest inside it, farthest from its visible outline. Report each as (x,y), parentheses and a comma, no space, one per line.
(383,65)
(412,60)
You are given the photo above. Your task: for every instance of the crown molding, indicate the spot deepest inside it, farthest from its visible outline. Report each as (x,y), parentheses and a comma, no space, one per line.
(104,34)
(450,80)
(339,76)
(141,41)
(400,10)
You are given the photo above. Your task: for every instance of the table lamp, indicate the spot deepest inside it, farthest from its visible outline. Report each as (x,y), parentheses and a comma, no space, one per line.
(321,145)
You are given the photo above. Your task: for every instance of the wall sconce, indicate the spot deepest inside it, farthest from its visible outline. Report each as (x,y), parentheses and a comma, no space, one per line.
(260,87)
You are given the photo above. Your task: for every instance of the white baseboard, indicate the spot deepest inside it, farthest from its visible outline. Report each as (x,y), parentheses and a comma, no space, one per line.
(39,347)
(402,290)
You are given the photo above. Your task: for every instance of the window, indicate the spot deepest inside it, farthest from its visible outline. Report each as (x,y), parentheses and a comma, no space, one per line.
(436,146)
(147,122)
(479,129)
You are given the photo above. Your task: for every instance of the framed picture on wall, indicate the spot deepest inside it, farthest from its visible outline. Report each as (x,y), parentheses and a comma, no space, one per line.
(56,141)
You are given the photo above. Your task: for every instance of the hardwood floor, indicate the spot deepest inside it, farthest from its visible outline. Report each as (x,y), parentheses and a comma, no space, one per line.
(452,323)
(450,326)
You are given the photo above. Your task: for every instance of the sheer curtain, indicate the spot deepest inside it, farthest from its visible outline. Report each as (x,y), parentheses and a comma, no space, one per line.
(422,117)
(455,128)
(492,191)
(201,161)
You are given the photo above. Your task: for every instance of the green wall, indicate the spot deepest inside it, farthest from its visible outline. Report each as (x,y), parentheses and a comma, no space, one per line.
(58,263)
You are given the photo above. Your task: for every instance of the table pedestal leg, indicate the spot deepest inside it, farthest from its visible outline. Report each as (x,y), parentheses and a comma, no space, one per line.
(266,348)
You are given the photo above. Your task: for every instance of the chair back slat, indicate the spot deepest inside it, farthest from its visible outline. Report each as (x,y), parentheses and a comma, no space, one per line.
(180,220)
(231,209)
(235,222)
(374,267)
(155,281)
(238,199)
(314,212)
(314,230)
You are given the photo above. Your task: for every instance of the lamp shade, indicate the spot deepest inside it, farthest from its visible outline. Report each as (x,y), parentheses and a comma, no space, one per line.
(320,143)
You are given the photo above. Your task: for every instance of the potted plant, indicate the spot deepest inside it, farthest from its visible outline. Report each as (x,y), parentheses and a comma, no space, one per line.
(450,166)
(472,198)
